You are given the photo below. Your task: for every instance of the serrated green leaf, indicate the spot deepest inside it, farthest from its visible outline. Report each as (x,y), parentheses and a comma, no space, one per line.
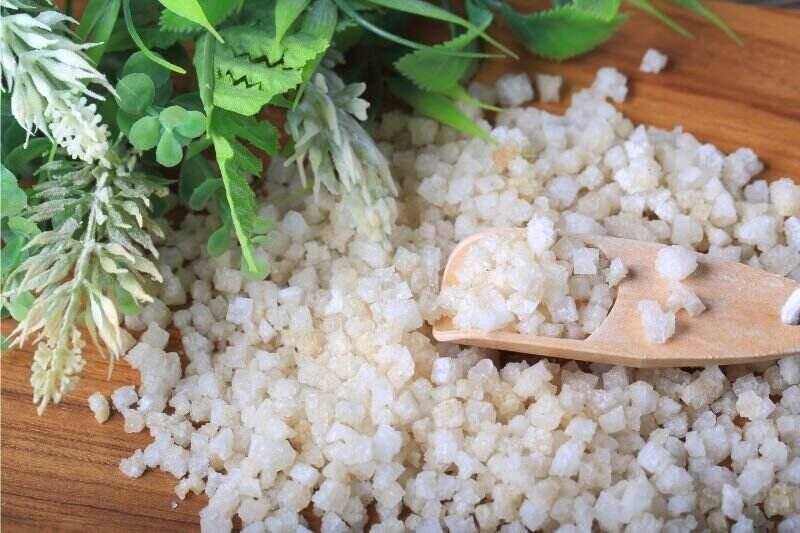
(256,270)
(700,8)
(437,107)
(239,98)
(244,87)
(215,10)
(12,198)
(650,9)
(144,133)
(136,92)
(286,12)
(220,241)
(314,36)
(239,195)
(237,163)
(168,151)
(97,25)
(191,10)
(431,11)
(605,9)
(347,8)
(562,32)
(435,72)
(204,67)
(193,125)
(204,192)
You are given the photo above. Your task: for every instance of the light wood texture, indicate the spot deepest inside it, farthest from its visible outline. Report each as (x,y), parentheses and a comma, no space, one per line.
(59,471)
(742,322)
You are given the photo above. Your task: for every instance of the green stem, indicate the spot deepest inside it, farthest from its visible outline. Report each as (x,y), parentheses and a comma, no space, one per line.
(126,9)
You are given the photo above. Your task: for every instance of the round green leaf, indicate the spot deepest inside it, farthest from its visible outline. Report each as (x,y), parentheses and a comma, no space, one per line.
(193,126)
(142,64)
(144,133)
(173,116)
(136,92)
(168,151)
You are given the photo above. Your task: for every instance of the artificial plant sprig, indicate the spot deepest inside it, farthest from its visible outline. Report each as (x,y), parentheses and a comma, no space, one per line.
(95,259)
(48,76)
(341,155)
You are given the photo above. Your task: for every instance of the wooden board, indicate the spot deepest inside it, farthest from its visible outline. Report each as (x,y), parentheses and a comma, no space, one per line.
(59,471)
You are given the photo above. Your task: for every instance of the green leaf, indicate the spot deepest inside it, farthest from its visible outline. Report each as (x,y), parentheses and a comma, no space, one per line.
(140,63)
(204,192)
(168,151)
(20,156)
(605,9)
(136,92)
(23,226)
(144,133)
(314,36)
(237,163)
(193,126)
(137,39)
(97,25)
(220,241)
(194,171)
(11,254)
(437,107)
(256,270)
(698,7)
(12,198)
(173,116)
(562,32)
(286,12)
(431,11)
(346,7)
(239,98)
(191,10)
(216,11)
(435,72)
(197,146)
(204,67)
(244,87)
(239,195)
(124,301)
(650,9)
(19,306)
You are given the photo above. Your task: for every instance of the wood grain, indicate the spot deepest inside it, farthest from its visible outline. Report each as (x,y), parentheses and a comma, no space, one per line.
(59,471)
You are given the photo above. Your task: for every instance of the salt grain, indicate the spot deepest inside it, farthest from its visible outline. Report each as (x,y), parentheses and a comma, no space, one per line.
(99,406)
(653,61)
(325,394)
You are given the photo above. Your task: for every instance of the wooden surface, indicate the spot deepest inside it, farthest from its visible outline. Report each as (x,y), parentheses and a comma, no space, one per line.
(738,326)
(59,471)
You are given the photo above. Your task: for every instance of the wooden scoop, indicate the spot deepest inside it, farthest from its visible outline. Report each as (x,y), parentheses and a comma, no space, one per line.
(741,324)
